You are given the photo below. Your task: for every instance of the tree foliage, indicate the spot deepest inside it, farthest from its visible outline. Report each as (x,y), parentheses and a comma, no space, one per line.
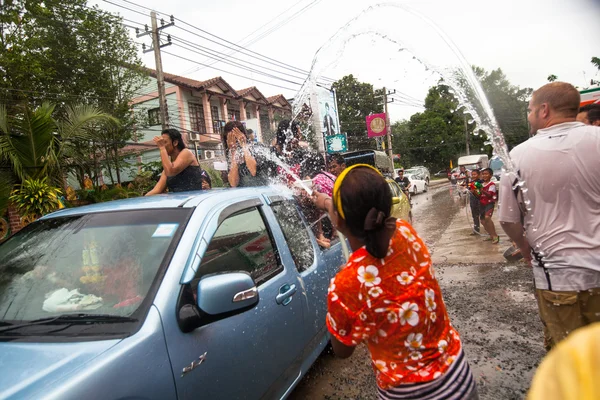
(34,145)
(439,134)
(356,100)
(65,52)
(509,103)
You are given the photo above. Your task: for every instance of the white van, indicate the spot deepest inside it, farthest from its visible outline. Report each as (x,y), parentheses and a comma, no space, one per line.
(475,161)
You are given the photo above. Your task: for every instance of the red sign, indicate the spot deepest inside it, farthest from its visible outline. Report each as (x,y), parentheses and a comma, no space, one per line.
(376,125)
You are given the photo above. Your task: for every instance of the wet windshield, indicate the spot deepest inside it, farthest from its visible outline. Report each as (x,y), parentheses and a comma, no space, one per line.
(94,264)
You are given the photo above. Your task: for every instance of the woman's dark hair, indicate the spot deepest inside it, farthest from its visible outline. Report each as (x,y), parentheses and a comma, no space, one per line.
(282,133)
(337,157)
(231,125)
(367,204)
(174,134)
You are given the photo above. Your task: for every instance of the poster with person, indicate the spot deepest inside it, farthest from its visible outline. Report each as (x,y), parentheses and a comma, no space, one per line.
(328,113)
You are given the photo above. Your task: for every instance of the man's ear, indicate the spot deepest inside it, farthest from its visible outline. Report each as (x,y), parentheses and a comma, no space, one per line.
(544,110)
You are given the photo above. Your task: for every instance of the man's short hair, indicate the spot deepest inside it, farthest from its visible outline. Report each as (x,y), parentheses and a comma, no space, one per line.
(561,97)
(491,171)
(593,112)
(337,158)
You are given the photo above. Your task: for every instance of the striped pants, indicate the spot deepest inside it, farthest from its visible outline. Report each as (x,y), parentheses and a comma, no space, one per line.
(456,384)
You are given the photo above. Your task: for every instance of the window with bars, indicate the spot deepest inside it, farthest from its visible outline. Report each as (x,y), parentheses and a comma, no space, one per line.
(215,112)
(196,112)
(154,116)
(234,115)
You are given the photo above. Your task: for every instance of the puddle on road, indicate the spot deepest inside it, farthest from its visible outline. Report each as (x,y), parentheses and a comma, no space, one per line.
(463,273)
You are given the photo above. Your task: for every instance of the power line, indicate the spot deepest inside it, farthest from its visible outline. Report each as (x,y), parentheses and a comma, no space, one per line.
(256,30)
(245,68)
(285,22)
(227,72)
(212,54)
(241,48)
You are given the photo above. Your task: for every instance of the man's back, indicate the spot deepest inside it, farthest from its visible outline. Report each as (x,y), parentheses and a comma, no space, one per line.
(560,167)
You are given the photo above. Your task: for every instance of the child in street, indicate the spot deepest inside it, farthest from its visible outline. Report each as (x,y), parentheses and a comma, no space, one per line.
(475,185)
(489,196)
(388,298)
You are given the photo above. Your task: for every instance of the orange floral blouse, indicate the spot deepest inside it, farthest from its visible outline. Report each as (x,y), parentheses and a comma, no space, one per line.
(395,306)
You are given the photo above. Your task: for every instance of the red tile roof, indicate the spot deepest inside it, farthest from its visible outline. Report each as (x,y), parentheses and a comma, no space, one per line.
(194,84)
(278,97)
(138,148)
(245,92)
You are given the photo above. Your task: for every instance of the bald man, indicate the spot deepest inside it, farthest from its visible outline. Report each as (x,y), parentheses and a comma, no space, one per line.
(589,114)
(559,213)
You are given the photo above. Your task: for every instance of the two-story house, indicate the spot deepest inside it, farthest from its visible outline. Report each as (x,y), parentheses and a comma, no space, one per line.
(200,109)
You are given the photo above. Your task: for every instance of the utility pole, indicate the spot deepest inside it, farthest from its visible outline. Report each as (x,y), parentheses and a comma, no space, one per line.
(466,134)
(156,46)
(387,124)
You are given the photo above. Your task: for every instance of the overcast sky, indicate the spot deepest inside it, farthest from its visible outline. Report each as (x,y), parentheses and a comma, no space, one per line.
(528,39)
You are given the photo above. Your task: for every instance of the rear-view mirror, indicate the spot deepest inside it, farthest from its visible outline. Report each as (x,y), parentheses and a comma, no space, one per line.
(225,293)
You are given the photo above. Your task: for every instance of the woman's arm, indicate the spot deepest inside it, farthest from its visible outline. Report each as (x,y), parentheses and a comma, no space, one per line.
(185,158)
(248,157)
(250,161)
(234,174)
(160,186)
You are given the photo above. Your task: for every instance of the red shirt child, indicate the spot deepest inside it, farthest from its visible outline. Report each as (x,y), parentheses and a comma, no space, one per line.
(489,195)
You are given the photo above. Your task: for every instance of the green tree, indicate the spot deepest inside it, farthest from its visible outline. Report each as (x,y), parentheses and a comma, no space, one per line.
(437,135)
(509,103)
(355,101)
(68,53)
(35,145)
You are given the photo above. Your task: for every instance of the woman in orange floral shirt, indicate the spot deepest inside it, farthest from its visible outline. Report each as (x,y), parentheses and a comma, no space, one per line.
(388,298)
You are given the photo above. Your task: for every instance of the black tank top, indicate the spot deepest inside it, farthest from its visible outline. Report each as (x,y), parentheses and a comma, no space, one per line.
(188,179)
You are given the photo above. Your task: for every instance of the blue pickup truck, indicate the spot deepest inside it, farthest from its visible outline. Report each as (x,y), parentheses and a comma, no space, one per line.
(212,295)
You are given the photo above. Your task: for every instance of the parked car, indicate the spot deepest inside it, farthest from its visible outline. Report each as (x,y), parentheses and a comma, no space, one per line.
(218,295)
(423,171)
(418,183)
(441,173)
(400,202)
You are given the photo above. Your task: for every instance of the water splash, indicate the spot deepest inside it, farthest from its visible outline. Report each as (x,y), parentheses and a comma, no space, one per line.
(268,155)
(402,26)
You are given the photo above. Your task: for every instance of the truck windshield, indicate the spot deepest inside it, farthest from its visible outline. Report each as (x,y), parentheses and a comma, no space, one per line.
(103,263)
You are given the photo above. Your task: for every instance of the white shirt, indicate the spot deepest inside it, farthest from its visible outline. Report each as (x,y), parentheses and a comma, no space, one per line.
(561,170)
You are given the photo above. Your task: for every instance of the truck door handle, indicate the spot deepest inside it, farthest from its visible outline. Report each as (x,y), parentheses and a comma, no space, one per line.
(285,294)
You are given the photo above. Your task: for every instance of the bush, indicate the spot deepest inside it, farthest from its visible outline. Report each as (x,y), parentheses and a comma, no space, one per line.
(100,196)
(143,182)
(215,177)
(35,198)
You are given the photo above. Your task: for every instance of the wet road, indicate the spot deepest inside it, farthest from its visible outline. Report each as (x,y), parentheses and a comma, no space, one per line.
(490,304)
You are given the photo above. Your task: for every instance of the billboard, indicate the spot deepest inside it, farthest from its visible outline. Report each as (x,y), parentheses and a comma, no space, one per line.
(376,125)
(336,143)
(328,113)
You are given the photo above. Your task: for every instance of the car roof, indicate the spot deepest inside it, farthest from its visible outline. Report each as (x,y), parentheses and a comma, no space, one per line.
(168,200)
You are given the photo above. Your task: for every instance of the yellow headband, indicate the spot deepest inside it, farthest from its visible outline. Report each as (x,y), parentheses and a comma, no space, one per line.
(337,199)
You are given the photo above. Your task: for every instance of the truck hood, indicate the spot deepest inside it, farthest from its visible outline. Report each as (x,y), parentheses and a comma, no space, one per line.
(24,365)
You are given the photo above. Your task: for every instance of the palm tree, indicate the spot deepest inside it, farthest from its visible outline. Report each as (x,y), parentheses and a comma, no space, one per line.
(35,145)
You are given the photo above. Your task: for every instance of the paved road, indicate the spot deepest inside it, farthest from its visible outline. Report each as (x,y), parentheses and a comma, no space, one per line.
(490,303)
